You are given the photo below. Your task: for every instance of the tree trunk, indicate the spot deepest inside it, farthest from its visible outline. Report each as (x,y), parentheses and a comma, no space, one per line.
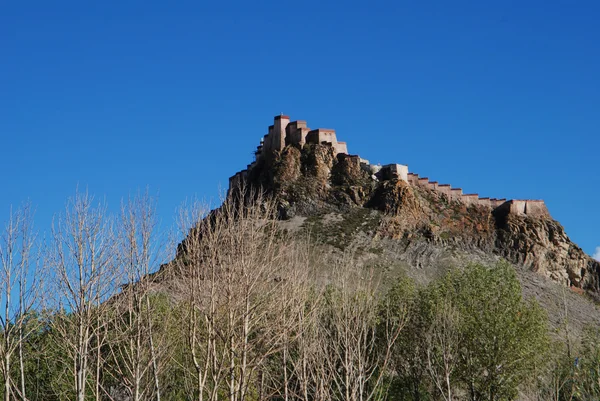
(153,352)
(7,390)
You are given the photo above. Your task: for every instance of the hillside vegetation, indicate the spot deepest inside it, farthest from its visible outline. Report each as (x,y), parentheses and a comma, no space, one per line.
(251,310)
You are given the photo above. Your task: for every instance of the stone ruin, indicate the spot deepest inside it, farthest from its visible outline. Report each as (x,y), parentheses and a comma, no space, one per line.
(283,133)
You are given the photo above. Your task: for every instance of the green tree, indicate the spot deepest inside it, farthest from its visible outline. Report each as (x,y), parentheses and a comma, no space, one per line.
(586,366)
(469,332)
(503,336)
(409,372)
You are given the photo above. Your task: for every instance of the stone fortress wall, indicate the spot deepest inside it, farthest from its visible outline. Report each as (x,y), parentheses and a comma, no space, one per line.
(536,208)
(283,133)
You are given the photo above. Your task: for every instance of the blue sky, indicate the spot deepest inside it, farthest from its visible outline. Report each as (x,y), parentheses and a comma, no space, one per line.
(499,98)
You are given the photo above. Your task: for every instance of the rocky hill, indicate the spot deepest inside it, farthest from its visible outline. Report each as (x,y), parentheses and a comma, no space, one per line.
(409,226)
(312,182)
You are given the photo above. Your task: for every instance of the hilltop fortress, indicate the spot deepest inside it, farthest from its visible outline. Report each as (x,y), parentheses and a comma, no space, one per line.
(285,132)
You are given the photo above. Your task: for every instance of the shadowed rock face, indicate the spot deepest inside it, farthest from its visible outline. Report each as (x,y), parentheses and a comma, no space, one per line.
(312,181)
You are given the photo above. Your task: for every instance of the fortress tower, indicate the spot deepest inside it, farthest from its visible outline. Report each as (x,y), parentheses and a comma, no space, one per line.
(279,132)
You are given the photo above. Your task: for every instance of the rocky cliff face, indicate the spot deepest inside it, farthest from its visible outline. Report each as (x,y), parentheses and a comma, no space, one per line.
(542,245)
(312,182)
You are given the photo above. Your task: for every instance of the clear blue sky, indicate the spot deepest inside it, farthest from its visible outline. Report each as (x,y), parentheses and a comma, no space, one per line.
(499,98)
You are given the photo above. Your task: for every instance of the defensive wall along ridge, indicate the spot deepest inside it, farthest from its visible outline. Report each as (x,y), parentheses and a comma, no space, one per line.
(284,132)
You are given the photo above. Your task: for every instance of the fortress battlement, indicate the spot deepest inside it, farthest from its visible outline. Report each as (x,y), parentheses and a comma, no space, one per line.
(284,132)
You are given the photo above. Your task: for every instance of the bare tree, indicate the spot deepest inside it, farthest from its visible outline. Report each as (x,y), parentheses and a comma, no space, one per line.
(443,347)
(297,323)
(253,301)
(201,288)
(238,269)
(304,351)
(133,352)
(83,266)
(20,291)
(358,348)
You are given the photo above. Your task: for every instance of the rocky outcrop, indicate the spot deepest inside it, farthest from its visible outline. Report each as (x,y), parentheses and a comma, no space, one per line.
(542,245)
(312,181)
